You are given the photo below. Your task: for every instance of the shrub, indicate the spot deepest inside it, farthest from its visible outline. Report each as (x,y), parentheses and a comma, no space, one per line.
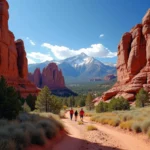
(141,98)
(118,104)
(80,123)
(127,125)
(21,138)
(91,128)
(7,144)
(136,127)
(127,117)
(102,107)
(145,126)
(49,128)
(36,136)
(115,122)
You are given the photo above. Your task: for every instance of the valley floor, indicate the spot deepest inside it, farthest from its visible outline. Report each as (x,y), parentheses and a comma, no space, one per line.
(105,138)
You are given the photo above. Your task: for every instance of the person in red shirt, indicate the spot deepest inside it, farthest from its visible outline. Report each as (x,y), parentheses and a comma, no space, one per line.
(71,113)
(81,114)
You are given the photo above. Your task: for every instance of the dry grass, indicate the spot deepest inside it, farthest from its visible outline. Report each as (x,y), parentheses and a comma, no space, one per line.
(91,128)
(80,123)
(136,120)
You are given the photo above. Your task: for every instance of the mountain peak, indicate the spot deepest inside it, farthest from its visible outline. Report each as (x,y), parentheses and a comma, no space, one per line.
(83,54)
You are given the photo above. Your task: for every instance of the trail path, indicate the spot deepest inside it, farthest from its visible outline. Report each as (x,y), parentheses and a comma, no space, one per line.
(105,138)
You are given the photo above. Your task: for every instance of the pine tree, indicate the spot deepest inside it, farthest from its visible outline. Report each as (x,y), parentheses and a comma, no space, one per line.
(43,99)
(10,104)
(47,102)
(89,103)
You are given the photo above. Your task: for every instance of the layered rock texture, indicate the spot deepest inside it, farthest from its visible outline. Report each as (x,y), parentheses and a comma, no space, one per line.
(133,66)
(110,77)
(51,76)
(13,61)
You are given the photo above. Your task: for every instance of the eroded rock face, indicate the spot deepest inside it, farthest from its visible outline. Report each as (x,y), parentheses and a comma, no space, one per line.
(133,65)
(13,61)
(51,76)
(110,77)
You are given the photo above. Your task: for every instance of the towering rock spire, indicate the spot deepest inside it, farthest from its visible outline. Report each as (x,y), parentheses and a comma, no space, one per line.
(13,61)
(51,76)
(133,65)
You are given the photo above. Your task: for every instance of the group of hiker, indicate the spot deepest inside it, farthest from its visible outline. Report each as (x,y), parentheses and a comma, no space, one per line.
(81,113)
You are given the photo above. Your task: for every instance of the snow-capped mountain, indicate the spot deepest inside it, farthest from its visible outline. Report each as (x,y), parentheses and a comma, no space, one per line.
(81,67)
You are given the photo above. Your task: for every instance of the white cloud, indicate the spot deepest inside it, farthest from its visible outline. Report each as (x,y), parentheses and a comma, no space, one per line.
(31,42)
(39,56)
(31,61)
(95,50)
(101,35)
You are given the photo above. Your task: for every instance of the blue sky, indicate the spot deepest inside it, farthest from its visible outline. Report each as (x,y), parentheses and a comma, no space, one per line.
(57,29)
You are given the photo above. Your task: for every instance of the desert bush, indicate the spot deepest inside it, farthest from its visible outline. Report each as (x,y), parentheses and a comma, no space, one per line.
(118,104)
(136,127)
(91,128)
(49,128)
(145,126)
(21,138)
(7,144)
(36,136)
(80,123)
(141,98)
(127,125)
(115,122)
(102,107)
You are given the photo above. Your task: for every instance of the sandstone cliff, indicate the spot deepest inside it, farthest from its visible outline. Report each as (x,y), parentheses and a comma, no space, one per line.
(13,61)
(51,76)
(133,65)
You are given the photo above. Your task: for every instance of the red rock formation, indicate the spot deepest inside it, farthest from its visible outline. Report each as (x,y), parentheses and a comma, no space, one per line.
(110,77)
(51,76)
(13,61)
(133,66)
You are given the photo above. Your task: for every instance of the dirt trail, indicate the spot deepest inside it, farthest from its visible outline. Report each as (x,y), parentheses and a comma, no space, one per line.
(104,138)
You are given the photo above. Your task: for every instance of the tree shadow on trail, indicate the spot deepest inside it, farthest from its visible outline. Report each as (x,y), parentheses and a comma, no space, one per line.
(71,143)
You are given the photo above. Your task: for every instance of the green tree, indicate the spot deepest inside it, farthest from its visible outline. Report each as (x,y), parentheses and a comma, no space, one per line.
(31,101)
(48,102)
(26,107)
(118,104)
(43,99)
(89,103)
(102,107)
(141,98)
(10,104)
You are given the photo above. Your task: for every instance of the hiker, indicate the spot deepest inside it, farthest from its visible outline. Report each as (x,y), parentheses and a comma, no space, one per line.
(81,114)
(76,115)
(71,113)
